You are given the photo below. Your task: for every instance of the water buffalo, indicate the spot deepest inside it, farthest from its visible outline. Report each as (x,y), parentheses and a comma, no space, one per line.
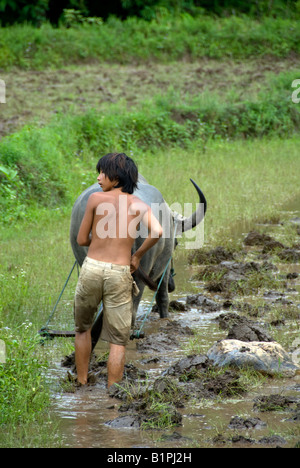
(155,260)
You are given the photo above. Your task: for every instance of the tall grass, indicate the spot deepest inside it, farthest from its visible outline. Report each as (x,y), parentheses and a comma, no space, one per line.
(24,393)
(29,290)
(244,181)
(165,38)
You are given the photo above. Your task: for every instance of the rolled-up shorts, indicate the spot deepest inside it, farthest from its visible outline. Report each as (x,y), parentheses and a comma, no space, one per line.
(112,284)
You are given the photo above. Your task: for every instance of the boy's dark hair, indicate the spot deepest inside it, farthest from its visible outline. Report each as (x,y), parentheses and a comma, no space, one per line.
(119,166)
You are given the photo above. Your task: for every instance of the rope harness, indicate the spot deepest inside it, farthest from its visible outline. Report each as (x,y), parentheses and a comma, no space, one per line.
(45,331)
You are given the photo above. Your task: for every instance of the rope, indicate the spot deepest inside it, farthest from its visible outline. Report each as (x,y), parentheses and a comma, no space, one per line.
(44,329)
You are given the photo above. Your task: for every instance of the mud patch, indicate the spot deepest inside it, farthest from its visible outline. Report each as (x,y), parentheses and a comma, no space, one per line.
(156,405)
(237,277)
(241,328)
(211,256)
(271,245)
(189,365)
(244,441)
(157,343)
(204,379)
(202,302)
(274,403)
(149,406)
(239,423)
(256,238)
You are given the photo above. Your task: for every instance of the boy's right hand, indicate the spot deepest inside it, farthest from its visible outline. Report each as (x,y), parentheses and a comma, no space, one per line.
(134,263)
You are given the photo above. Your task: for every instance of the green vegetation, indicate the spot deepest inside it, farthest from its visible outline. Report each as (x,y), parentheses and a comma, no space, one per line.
(39,166)
(134,40)
(24,393)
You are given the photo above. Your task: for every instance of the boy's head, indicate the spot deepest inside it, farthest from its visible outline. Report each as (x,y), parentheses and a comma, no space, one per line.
(120,167)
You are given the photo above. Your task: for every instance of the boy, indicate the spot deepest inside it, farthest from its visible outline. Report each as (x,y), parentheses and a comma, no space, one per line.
(112,217)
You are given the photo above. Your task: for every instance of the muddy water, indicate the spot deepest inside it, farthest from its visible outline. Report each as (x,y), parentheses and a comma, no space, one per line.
(84,414)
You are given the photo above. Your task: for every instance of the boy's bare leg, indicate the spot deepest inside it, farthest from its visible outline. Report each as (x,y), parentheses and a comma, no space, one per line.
(115,364)
(83,349)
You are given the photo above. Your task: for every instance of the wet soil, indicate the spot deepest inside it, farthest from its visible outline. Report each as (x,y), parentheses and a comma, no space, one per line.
(172,395)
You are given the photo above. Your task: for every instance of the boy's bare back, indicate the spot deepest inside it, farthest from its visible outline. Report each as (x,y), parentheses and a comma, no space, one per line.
(113,218)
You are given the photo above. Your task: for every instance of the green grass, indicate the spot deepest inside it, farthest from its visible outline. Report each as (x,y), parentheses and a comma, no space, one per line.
(242,181)
(29,290)
(207,89)
(164,39)
(24,392)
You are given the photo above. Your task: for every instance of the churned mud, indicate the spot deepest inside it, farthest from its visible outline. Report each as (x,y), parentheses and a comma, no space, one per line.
(171,387)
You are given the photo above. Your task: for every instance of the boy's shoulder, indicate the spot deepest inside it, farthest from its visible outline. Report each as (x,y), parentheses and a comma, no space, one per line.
(97,196)
(137,204)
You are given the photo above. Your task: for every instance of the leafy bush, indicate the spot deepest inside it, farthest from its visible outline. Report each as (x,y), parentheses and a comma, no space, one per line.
(19,11)
(74,18)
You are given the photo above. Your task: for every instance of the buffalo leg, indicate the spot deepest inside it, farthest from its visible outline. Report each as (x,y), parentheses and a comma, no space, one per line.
(96,328)
(162,298)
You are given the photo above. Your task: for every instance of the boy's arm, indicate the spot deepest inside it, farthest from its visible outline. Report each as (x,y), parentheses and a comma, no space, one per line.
(155,232)
(83,237)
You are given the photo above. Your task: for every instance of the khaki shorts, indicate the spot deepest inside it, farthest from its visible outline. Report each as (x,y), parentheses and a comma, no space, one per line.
(113,285)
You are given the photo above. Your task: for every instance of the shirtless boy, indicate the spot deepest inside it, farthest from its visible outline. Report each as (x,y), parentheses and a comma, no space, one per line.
(112,217)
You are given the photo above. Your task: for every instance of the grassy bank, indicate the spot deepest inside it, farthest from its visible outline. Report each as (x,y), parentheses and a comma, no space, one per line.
(205,86)
(167,38)
(24,391)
